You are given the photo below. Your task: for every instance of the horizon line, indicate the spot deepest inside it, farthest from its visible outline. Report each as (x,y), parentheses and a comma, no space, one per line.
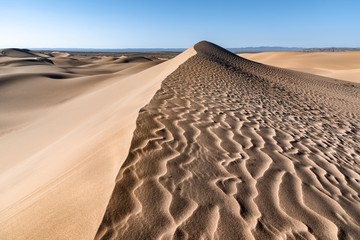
(169,49)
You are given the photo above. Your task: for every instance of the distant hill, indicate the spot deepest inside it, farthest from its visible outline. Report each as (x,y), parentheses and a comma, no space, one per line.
(331,49)
(264,49)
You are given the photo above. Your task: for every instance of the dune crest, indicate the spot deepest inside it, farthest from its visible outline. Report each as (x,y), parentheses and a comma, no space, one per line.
(233,149)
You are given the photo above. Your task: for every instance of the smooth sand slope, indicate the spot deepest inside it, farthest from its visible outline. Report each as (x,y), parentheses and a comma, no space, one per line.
(66,124)
(232,149)
(338,65)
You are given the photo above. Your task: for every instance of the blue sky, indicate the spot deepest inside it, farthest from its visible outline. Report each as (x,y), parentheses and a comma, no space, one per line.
(171,23)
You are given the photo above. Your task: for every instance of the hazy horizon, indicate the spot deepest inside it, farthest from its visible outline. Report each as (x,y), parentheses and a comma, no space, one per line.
(232,49)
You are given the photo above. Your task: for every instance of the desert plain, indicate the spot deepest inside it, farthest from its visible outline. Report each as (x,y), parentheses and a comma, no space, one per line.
(206,144)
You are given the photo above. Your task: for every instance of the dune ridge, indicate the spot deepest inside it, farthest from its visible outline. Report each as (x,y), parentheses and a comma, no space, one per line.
(233,149)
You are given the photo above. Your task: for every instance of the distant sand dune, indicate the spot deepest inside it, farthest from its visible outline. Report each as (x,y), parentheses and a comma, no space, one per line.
(60,54)
(339,65)
(65,129)
(233,149)
(133,59)
(17,53)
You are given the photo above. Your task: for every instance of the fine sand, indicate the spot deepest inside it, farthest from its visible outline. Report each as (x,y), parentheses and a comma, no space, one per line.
(233,149)
(338,65)
(66,124)
(207,145)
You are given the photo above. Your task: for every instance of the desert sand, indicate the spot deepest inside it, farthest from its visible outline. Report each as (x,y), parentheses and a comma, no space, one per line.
(233,149)
(207,145)
(66,124)
(338,65)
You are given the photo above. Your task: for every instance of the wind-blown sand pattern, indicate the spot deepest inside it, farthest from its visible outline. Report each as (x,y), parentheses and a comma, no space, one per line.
(233,149)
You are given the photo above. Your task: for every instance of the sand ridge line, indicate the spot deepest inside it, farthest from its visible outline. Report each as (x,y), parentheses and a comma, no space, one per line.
(233,149)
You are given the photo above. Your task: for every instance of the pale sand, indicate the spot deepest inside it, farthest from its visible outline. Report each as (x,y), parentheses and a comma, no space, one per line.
(226,149)
(233,149)
(66,125)
(338,65)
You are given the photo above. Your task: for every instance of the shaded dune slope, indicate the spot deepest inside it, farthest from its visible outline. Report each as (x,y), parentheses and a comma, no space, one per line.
(17,53)
(232,149)
(23,57)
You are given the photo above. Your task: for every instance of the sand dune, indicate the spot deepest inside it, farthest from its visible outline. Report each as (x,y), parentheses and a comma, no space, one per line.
(207,145)
(17,53)
(232,149)
(65,129)
(60,54)
(338,65)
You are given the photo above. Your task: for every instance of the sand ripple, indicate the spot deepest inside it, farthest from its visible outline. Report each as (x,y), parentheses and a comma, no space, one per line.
(233,149)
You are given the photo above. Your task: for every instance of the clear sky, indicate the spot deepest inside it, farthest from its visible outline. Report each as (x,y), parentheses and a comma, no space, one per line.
(178,23)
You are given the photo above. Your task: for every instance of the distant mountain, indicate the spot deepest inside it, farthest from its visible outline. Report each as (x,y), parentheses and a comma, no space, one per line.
(265,49)
(331,49)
